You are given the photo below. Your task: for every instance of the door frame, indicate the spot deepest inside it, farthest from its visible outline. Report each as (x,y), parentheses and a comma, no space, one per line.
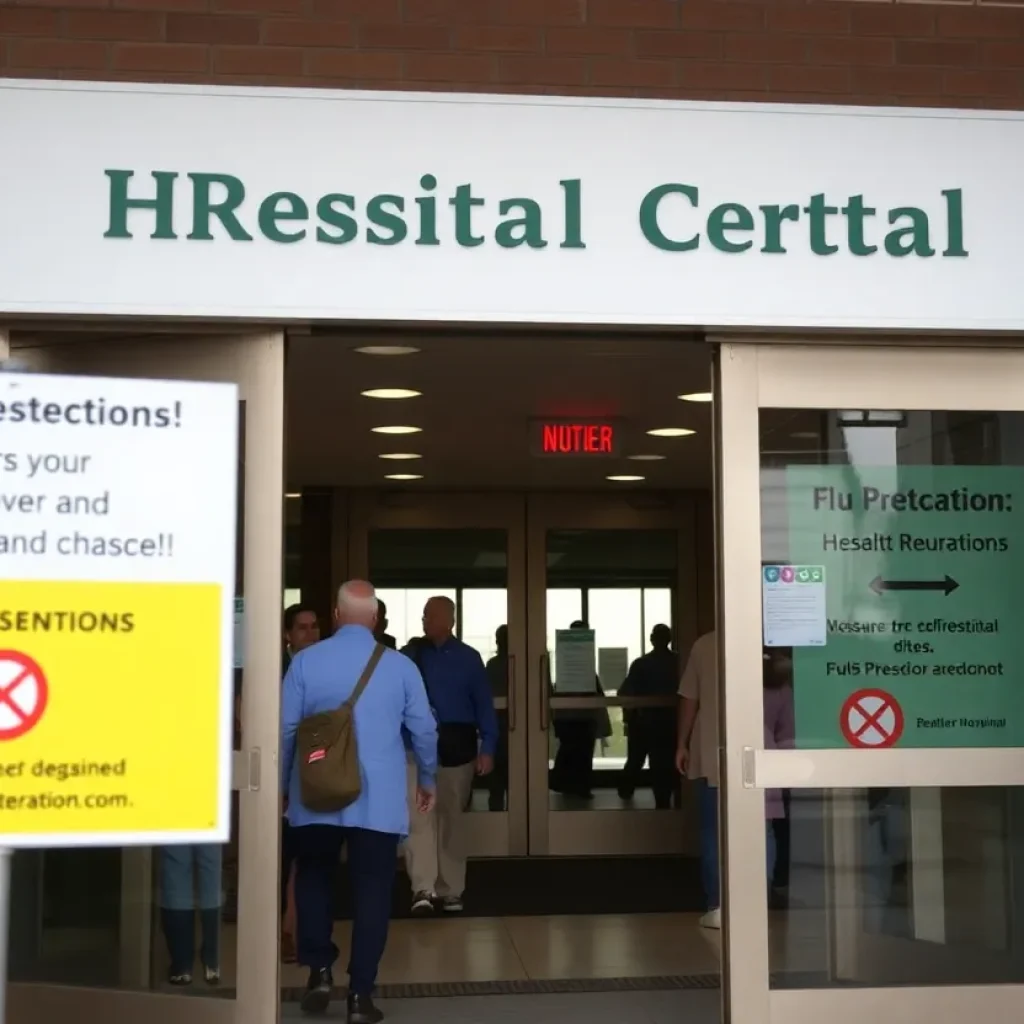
(620,832)
(255,362)
(491,833)
(755,374)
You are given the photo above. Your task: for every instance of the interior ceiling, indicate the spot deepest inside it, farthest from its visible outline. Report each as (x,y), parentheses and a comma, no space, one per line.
(479,395)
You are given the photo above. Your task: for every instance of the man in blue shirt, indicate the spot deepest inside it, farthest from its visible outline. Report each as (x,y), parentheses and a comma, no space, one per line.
(460,695)
(393,706)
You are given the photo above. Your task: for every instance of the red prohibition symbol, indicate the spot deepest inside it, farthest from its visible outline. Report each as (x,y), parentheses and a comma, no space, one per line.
(23,694)
(871,719)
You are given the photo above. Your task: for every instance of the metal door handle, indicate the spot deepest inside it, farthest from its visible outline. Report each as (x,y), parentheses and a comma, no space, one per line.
(545,693)
(512,690)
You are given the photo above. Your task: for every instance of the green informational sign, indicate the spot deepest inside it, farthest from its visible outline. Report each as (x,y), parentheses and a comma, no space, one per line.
(924,570)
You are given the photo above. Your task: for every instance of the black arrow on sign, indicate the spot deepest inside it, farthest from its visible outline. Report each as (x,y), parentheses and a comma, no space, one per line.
(947,585)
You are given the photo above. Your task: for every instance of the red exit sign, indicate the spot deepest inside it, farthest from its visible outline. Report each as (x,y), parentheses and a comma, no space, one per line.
(574,437)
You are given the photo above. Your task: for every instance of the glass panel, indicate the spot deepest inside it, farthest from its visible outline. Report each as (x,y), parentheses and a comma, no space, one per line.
(470,567)
(894,569)
(897,887)
(604,758)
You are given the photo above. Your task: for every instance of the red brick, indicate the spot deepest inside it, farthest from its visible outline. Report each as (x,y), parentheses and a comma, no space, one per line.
(723,15)
(810,80)
(715,76)
(275,61)
(499,38)
(65,3)
(969,82)
(376,12)
(873,19)
(809,18)
(212,28)
(766,49)
(618,71)
(159,5)
(56,54)
(450,12)
(542,70)
(352,65)
(15,21)
(944,53)
(707,45)
(448,67)
(1003,55)
(121,26)
(296,32)
(161,57)
(542,12)
(981,22)
(895,81)
(257,6)
(588,41)
(634,13)
(405,37)
(852,50)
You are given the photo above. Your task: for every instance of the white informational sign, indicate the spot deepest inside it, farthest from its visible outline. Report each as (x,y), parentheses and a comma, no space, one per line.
(793,605)
(575,662)
(117,612)
(612,667)
(523,209)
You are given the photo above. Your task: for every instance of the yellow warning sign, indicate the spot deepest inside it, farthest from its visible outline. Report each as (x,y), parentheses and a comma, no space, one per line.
(112,717)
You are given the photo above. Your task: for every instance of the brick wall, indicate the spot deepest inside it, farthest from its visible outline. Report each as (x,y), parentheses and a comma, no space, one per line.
(968,53)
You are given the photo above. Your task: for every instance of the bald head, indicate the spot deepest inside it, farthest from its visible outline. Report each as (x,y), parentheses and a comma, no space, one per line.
(357,604)
(438,619)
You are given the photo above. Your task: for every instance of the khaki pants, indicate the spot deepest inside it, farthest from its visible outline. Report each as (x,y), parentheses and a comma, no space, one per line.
(435,852)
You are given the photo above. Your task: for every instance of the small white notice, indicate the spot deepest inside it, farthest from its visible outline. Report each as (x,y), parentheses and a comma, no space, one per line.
(793,605)
(575,662)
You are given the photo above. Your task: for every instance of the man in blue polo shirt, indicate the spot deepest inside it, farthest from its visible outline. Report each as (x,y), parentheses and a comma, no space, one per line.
(460,694)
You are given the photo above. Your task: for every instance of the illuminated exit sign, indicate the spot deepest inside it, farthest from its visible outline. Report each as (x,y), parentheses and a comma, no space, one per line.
(574,437)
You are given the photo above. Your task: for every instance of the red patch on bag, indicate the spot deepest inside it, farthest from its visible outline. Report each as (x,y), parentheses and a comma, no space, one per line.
(316,755)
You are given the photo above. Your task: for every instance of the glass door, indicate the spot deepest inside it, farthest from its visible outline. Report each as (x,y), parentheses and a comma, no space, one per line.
(872,572)
(611,578)
(85,938)
(470,548)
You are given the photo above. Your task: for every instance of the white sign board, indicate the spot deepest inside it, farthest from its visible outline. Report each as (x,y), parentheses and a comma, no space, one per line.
(190,200)
(575,662)
(793,605)
(117,548)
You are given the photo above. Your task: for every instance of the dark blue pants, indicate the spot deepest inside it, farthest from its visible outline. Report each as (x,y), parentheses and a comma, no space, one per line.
(372,858)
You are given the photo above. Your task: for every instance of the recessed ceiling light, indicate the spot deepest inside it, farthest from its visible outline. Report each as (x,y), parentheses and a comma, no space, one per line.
(390,393)
(387,350)
(400,456)
(403,476)
(671,432)
(646,458)
(293,495)
(396,430)
(625,478)
(697,396)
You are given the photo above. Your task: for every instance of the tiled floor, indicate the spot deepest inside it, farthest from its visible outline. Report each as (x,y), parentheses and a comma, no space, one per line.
(603,1008)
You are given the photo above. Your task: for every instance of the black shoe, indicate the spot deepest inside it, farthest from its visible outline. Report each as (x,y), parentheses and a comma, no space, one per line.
(362,1011)
(317,996)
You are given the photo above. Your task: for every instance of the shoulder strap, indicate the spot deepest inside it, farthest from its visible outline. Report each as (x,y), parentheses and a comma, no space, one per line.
(371,666)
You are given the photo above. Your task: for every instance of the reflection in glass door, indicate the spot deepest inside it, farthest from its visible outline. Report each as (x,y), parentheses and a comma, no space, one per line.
(891,572)
(610,604)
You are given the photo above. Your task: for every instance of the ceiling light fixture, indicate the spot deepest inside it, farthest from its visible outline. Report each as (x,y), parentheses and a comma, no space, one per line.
(400,456)
(396,430)
(671,432)
(625,478)
(387,350)
(403,476)
(391,393)
(646,458)
(293,495)
(697,396)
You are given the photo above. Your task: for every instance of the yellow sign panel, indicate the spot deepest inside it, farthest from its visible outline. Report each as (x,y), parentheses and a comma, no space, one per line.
(110,708)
